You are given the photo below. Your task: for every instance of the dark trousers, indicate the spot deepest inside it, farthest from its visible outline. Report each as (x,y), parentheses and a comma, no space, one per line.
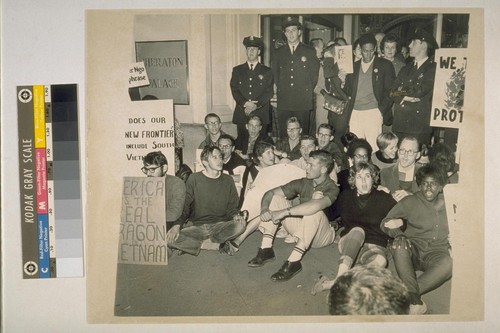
(340,124)
(436,264)
(190,238)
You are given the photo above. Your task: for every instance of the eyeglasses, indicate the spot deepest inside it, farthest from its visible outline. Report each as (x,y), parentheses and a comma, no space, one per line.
(225,146)
(361,157)
(403,152)
(149,170)
(324,135)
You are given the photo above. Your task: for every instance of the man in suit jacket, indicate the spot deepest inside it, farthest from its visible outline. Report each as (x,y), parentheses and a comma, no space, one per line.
(368,88)
(251,86)
(413,88)
(296,69)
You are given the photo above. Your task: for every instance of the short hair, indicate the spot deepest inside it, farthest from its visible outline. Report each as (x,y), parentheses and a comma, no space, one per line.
(155,157)
(359,143)
(315,42)
(340,39)
(390,38)
(184,172)
(227,137)
(308,137)
(368,290)
(324,157)
(208,150)
(260,148)
(385,139)
(293,120)
(411,138)
(431,170)
(254,117)
(327,126)
(441,154)
(355,44)
(367,39)
(347,139)
(212,115)
(358,167)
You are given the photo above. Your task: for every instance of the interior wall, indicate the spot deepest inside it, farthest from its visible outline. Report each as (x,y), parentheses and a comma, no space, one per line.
(221,37)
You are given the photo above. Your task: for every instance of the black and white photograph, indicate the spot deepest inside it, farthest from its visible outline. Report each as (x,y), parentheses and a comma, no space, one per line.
(250,167)
(318,171)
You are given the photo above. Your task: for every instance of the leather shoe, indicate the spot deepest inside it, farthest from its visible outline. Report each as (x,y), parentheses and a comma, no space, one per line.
(287,271)
(263,256)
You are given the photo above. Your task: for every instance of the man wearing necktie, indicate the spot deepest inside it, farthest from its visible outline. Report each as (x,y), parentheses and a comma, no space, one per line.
(296,69)
(413,88)
(251,86)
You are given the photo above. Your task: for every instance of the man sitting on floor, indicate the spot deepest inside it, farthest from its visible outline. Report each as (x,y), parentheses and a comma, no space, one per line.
(211,207)
(316,192)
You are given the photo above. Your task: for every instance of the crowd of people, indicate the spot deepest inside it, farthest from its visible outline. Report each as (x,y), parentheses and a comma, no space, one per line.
(367,187)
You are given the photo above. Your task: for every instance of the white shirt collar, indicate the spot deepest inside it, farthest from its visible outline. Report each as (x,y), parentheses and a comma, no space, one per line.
(420,62)
(365,66)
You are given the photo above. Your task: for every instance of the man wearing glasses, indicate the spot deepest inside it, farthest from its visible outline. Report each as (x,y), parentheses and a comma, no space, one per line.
(213,126)
(399,179)
(288,147)
(156,165)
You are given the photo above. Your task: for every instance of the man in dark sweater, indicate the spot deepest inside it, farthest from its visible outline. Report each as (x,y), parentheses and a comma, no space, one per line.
(211,207)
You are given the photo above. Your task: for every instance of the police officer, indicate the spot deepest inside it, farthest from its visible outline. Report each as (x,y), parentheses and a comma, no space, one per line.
(413,88)
(296,69)
(251,86)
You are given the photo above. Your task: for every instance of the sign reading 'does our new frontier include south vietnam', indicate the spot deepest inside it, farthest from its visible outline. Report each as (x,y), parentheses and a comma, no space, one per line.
(449,88)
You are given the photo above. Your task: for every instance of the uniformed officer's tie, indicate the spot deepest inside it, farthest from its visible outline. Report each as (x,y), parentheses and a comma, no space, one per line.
(293,49)
(251,67)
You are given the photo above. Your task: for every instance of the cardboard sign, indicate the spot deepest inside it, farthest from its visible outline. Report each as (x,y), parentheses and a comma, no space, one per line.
(142,228)
(343,56)
(137,75)
(148,126)
(449,88)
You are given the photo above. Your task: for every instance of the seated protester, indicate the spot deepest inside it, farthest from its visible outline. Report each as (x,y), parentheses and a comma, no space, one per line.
(386,155)
(234,165)
(419,227)
(308,145)
(399,179)
(362,207)
(232,161)
(263,158)
(368,290)
(211,207)
(441,154)
(213,126)
(359,150)
(184,172)
(325,135)
(156,165)
(250,137)
(316,192)
(289,147)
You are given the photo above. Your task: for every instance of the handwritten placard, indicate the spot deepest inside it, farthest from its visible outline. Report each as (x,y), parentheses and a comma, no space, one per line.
(343,56)
(142,226)
(449,88)
(137,75)
(148,127)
